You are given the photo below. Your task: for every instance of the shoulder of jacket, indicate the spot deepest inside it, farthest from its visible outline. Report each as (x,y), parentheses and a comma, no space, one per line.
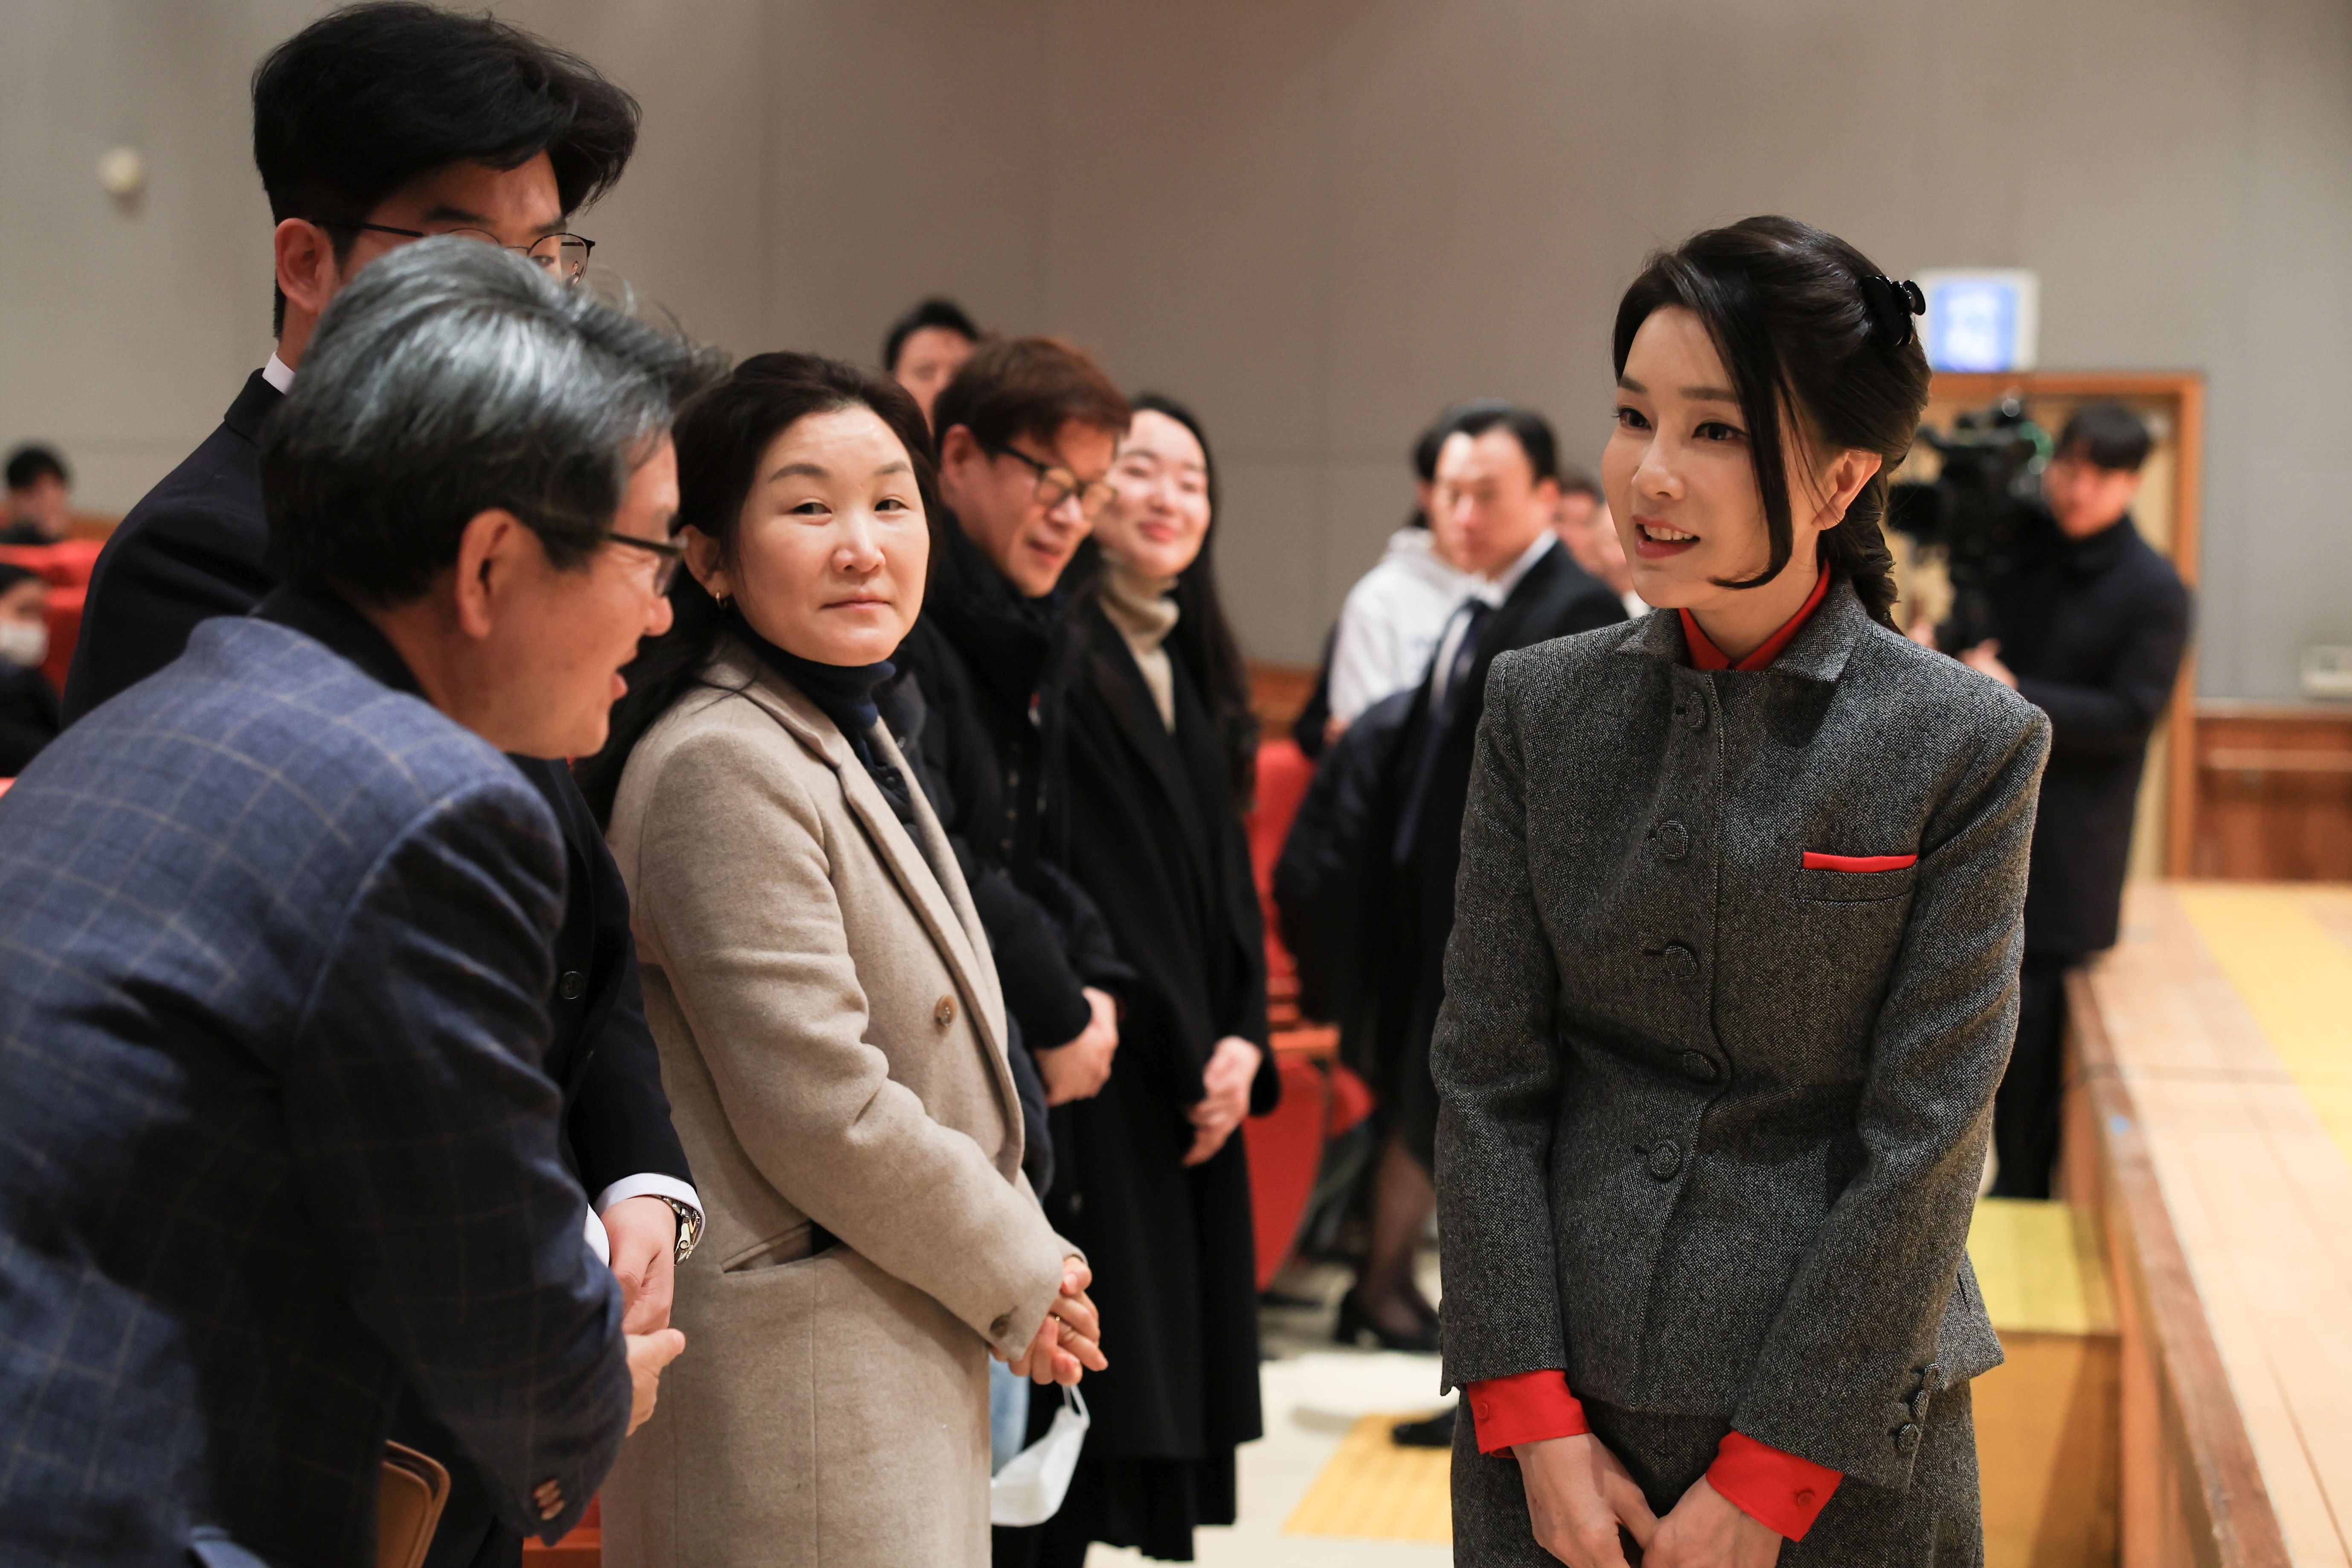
(714,739)
(1575,657)
(1960,701)
(323,730)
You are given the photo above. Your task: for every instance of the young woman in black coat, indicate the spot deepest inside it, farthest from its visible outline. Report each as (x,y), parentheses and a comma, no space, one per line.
(1158,755)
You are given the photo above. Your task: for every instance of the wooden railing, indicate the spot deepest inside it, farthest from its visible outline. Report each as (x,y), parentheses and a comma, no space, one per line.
(2192,1492)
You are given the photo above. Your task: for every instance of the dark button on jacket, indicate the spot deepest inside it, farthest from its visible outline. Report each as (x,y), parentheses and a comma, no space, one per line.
(1805,1254)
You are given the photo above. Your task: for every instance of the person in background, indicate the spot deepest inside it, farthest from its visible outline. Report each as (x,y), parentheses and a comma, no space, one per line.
(828,1016)
(2090,628)
(375,125)
(275,1141)
(40,497)
(1025,433)
(1393,617)
(29,703)
(1160,762)
(1591,535)
(927,346)
(1491,509)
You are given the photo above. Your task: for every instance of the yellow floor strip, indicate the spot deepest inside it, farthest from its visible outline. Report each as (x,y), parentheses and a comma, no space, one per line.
(1372,1488)
(2039,1267)
(2278,945)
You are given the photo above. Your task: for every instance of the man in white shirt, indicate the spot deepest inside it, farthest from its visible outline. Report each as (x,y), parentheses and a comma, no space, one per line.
(1492,504)
(1393,617)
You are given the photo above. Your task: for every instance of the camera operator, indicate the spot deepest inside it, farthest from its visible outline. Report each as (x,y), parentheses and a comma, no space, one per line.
(2088,625)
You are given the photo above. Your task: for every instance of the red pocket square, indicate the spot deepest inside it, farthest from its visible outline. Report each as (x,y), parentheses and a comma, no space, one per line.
(1817,861)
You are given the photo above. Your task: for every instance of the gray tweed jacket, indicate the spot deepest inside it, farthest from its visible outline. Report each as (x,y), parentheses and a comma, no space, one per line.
(1712,1122)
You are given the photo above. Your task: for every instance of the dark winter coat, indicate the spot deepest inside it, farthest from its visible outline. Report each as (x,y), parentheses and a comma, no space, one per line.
(986,661)
(2093,629)
(1146,822)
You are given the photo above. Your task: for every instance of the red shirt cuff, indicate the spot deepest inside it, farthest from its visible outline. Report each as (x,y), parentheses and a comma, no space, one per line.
(1525,1408)
(1774,1489)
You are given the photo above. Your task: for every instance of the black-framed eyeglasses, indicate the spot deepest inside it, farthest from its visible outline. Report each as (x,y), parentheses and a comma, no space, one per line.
(563,255)
(671,553)
(1057,485)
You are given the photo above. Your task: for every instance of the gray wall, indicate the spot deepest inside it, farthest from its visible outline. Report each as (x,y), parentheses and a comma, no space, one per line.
(1316,220)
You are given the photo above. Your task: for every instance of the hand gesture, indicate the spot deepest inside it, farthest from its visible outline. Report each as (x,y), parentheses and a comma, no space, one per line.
(1078,1070)
(1579,1496)
(649,1354)
(1985,659)
(1227,1078)
(1068,1344)
(644,1235)
(1706,1529)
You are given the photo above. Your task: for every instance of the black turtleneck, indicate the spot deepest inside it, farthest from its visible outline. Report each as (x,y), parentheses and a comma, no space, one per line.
(845,694)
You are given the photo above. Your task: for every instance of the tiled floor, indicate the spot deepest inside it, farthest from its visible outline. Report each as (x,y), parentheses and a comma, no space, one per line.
(1314,1392)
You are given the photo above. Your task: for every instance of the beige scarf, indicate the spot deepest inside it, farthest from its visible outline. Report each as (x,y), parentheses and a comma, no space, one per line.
(1144,614)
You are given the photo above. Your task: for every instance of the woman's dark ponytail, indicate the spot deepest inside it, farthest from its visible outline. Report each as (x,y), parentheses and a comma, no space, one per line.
(1807,326)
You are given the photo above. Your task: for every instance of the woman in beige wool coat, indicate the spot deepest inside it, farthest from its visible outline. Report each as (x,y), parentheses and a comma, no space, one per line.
(831,1030)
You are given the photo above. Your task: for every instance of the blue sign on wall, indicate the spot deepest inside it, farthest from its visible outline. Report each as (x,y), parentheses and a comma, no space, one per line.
(1981,320)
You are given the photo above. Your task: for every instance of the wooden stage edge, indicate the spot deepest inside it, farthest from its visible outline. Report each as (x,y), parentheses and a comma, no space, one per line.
(2192,1491)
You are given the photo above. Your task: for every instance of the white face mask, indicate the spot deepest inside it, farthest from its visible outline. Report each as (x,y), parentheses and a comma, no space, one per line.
(24,642)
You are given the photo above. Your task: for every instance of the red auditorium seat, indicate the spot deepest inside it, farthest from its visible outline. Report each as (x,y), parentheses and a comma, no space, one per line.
(1320,1096)
(67,565)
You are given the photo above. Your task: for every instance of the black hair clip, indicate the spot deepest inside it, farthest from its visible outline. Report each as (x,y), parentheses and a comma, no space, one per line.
(1892,305)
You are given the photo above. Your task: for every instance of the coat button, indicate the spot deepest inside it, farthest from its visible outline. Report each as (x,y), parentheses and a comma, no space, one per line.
(1906,1437)
(943,1012)
(570,986)
(1804,1498)
(1004,1321)
(1919,1406)
(1931,1377)
(1698,1066)
(1695,715)
(1681,963)
(1666,1160)
(1673,841)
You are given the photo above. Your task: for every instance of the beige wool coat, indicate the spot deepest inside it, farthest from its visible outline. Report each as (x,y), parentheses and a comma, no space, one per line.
(833,1042)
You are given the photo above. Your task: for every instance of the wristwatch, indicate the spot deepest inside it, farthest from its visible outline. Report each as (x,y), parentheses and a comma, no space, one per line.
(689,1227)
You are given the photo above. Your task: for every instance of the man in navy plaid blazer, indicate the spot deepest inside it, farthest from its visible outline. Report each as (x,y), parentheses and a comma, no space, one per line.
(276,944)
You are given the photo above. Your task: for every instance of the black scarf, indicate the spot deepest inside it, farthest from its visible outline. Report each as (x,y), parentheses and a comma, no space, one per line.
(845,694)
(1003,638)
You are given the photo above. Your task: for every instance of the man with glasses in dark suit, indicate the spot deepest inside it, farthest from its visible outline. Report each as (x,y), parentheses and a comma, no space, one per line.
(282,927)
(375,127)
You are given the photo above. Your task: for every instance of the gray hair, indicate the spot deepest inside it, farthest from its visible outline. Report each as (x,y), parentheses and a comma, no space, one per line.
(450,378)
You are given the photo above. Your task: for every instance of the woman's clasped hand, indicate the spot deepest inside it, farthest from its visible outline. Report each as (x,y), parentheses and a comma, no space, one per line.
(1068,1344)
(1584,1507)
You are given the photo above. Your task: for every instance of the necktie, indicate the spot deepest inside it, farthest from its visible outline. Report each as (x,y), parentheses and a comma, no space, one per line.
(1448,695)
(1445,698)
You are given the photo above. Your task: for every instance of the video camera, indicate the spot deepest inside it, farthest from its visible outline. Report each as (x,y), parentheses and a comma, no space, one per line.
(1970,514)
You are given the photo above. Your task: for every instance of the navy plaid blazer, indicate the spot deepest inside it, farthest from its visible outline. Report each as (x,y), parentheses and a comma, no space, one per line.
(275,951)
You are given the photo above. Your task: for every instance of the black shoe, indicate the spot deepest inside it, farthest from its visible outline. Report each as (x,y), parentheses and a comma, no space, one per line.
(1355,1324)
(1430,1432)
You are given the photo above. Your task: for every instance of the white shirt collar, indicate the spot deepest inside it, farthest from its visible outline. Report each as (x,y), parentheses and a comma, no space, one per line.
(1494,590)
(278,373)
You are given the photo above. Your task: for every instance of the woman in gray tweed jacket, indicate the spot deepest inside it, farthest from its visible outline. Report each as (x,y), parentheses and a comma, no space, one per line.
(1734,976)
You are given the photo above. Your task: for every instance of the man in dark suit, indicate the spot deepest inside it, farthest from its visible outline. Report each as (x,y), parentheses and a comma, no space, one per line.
(372,126)
(2090,629)
(275,1140)
(1492,503)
